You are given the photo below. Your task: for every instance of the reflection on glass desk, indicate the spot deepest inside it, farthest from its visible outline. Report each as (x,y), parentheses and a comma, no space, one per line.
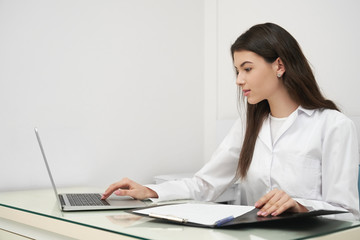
(42,203)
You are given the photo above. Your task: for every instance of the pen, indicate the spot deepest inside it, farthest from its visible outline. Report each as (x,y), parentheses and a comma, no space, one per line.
(223,221)
(168,217)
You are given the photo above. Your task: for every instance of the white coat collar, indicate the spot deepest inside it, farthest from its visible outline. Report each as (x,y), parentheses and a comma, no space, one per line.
(309,112)
(265,131)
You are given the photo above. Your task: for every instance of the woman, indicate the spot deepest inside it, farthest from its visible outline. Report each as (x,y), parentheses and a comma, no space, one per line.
(297,151)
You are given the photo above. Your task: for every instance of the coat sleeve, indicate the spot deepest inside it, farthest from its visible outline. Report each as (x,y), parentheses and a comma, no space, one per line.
(340,160)
(213,178)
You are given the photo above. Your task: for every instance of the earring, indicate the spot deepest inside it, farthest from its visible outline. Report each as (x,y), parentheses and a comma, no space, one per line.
(279,75)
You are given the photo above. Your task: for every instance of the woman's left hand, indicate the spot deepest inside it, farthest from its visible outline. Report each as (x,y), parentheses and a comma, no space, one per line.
(276,202)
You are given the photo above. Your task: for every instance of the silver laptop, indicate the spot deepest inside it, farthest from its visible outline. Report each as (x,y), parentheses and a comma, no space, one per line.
(88,201)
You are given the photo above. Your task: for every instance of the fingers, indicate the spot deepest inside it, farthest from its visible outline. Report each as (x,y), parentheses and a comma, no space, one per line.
(127,187)
(123,184)
(276,202)
(123,192)
(264,199)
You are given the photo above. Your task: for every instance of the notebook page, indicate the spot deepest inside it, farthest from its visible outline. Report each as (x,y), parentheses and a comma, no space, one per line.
(206,214)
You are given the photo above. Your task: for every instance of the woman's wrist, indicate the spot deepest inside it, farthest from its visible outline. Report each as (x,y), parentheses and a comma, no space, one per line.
(151,193)
(300,208)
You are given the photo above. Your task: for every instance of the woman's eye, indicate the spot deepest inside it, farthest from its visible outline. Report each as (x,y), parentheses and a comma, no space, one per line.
(247,69)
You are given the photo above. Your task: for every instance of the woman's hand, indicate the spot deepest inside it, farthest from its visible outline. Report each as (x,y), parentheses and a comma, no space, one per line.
(127,187)
(276,202)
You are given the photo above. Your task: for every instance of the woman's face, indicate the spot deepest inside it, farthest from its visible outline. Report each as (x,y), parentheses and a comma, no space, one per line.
(256,77)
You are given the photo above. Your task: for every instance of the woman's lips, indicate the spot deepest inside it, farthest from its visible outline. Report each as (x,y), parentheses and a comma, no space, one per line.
(246,92)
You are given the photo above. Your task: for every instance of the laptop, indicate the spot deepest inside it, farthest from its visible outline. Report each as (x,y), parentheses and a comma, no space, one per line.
(88,201)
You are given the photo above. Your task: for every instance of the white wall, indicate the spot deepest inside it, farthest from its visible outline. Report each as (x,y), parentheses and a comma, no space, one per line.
(115,88)
(327,31)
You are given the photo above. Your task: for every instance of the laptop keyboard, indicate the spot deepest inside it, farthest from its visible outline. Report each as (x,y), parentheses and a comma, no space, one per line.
(86,199)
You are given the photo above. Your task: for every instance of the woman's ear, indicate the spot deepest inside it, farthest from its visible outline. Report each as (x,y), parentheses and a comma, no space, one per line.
(279,67)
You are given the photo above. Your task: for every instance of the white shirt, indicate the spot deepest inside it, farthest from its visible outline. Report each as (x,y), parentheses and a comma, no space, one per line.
(275,125)
(314,158)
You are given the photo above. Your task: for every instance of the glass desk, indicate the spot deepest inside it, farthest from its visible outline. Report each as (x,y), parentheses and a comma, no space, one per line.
(38,209)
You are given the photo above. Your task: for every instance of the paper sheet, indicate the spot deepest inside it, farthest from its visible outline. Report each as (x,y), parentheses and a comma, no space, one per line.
(206,214)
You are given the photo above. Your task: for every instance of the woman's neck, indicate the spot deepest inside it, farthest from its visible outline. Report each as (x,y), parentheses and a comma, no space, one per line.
(282,105)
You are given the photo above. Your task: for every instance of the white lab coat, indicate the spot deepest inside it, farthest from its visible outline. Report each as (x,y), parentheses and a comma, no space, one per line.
(314,158)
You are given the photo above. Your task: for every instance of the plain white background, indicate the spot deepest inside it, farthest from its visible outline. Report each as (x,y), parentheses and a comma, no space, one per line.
(114,87)
(146,87)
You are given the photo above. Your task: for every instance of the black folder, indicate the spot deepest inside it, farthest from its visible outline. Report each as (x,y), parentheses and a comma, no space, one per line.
(252,217)
(249,218)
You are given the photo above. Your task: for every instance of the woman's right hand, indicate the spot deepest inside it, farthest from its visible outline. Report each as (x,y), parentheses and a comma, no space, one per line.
(127,187)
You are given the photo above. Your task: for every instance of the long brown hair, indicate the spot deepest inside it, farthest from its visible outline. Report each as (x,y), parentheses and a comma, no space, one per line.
(271,42)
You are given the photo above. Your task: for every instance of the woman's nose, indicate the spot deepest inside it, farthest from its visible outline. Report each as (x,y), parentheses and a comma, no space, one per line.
(240,80)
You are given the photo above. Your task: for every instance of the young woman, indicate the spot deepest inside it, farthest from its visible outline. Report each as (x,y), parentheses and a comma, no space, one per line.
(297,152)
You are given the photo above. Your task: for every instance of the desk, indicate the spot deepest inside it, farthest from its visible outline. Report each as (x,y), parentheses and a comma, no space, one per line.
(34,214)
